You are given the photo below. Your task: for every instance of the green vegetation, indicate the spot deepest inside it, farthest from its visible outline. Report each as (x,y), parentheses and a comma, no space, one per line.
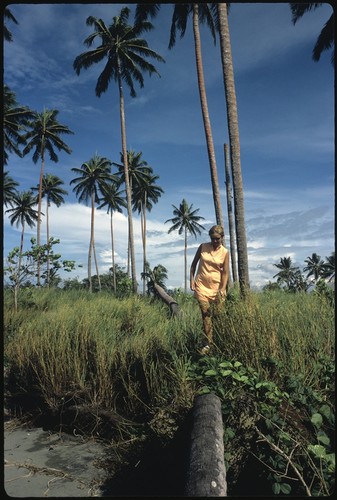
(123,370)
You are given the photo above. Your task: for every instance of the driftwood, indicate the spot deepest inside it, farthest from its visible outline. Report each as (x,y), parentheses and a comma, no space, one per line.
(206,474)
(165,297)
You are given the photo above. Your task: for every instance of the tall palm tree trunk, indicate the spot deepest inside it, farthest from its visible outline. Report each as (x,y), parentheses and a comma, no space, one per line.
(143,224)
(39,218)
(91,244)
(129,244)
(185,262)
(113,253)
(206,119)
(230,215)
(17,280)
(96,265)
(127,184)
(48,264)
(233,129)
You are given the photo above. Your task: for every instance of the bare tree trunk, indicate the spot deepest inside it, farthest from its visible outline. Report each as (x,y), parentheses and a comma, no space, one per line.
(17,279)
(113,253)
(96,265)
(143,228)
(91,244)
(234,141)
(185,262)
(39,221)
(127,185)
(206,475)
(165,297)
(230,214)
(206,119)
(48,264)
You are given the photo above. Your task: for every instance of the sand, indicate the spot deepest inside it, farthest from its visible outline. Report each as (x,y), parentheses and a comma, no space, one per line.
(39,463)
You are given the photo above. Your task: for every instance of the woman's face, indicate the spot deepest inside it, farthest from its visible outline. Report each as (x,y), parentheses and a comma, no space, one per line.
(216,240)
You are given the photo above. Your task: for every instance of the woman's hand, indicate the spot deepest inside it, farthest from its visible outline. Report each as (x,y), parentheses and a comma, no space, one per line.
(222,295)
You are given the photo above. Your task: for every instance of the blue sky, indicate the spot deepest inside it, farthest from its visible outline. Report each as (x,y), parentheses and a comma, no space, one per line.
(286,124)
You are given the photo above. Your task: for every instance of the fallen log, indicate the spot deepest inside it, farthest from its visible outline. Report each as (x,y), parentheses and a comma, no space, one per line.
(206,473)
(165,297)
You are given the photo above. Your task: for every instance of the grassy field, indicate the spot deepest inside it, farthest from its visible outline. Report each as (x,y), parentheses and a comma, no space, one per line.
(124,370)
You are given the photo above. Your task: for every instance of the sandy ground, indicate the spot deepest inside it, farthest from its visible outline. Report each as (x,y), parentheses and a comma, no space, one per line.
(39,463)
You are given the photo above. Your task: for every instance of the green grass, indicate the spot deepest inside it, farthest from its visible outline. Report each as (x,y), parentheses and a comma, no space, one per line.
(128,359)
(294,330)
(91,339)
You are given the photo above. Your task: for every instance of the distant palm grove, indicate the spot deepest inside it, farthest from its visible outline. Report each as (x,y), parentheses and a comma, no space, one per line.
(133,187)
(104,358)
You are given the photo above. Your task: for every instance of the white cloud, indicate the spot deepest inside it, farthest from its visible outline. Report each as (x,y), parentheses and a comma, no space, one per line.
(283,234)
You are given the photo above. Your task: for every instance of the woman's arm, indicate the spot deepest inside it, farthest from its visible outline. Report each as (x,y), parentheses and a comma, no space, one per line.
(224,275)
(193,266)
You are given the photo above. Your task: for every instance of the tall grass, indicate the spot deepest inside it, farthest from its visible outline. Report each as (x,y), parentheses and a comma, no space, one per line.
(119,355)
(267,329)
(130,357)
(124,369)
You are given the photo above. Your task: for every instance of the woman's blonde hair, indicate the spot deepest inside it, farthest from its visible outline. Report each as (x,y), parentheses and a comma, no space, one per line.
(216,230)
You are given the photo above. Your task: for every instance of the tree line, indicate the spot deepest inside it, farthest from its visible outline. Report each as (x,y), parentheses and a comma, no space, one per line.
(317,272)
(127,55)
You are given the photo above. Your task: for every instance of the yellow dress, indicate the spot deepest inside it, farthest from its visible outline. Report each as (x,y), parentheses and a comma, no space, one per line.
(210,267)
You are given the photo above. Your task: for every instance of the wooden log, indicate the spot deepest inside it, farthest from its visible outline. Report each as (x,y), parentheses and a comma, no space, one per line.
(206,473)
(165,297)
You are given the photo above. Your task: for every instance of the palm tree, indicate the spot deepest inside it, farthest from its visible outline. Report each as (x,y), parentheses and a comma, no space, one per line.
(201,13)
(314,267)
(297,282)
(9,189)
(53,192)
(326,39)
(15,120)
(8,15)
(138,168)
(93,176)
(231,225)
(156,286)
(144,194)
(22,212)
(126,55)
(139,171)
(234,141)
(43,137)
(329,268)
(114,201)
(156,276)
(185,220)
(287,271)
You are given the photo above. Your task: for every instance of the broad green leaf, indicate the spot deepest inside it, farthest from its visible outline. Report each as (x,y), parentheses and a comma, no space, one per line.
(285,488)
(323,438)
(318,450)
(225,364)
(276,488)
(211,373)
(317,419)
(327,412)
(224,373)
(330,457)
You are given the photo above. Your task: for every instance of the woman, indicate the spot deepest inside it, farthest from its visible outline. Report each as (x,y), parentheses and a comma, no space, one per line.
(209,285)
